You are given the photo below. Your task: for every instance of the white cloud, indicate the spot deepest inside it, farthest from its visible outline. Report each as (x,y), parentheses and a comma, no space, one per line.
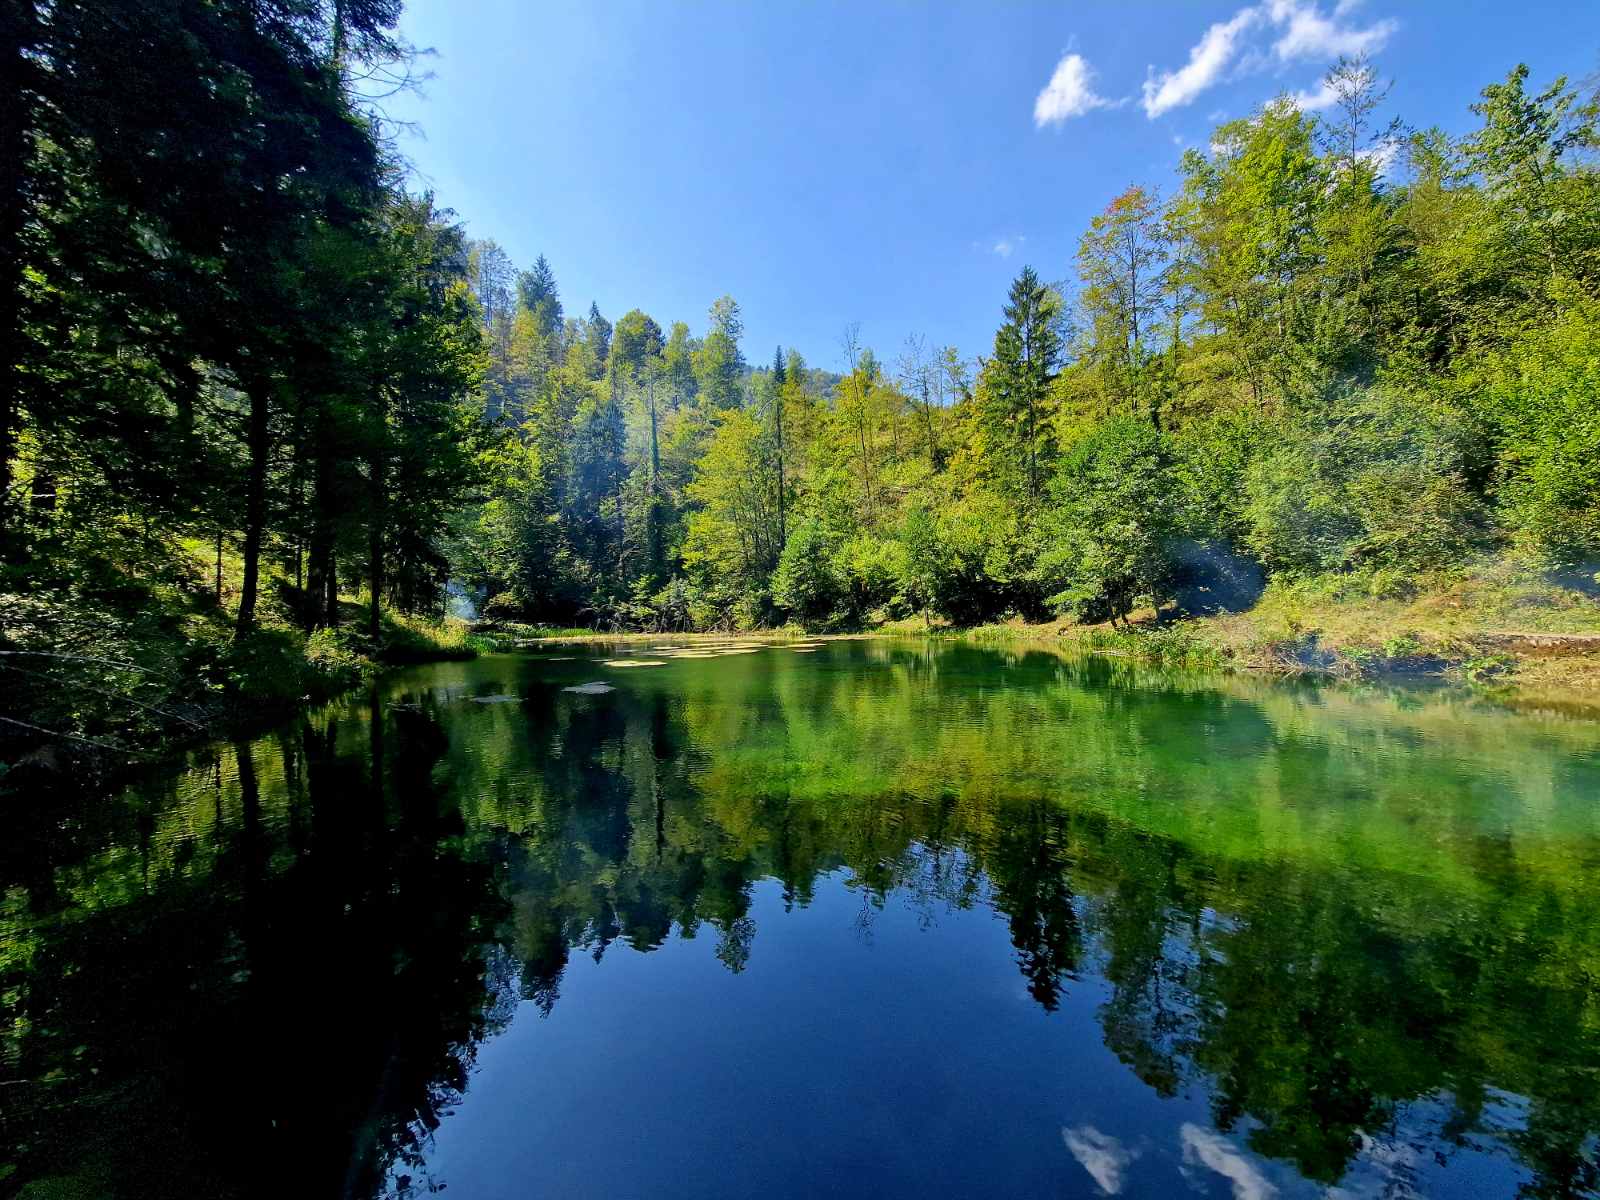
(1382,156)
(1007,246)
(1217,1152)
(1309,34)
(1070,93)
(1208,59)
(1301,31)
(1100,1154)
(1308,101)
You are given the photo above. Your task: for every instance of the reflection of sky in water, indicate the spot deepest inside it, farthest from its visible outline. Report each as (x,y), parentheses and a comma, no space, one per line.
(1101,1155)
(884,1046)
(1209,1149)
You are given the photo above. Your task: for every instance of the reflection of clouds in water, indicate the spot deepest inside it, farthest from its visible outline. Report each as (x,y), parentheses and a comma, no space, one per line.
(1217,1152)
(1101,1155)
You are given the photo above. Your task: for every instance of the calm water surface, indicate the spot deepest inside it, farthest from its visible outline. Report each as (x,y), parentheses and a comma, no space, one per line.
(879,919)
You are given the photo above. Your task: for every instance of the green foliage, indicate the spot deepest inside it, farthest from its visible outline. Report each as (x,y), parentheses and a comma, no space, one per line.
(233,340)
(1332,353)
(924,562)
(1376,481)
(808,584)
(280,667)
(1014,391)
(1113,520)
(1543,395)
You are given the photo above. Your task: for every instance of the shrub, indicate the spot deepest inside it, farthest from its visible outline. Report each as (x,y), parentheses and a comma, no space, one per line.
(1112,524)
(332,662)
(873,568)
(1544,397)
(807,584)
(1376,481)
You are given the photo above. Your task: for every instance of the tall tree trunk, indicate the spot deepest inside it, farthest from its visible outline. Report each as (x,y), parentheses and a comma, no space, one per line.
(377,504)
(654,509)
(331,599)
(1033,457)
(19,31)
(255,505)
(319,567)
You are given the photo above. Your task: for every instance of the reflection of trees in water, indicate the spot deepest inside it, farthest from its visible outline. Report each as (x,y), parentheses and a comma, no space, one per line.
(1330,1011)
(348,910)
(284,1000)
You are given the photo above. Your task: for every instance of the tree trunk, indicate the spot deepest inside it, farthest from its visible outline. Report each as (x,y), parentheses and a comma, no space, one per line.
(331,576)
(18,34)
(653,512)
(255,506)
(319,567)
(1033,459)
(375,523)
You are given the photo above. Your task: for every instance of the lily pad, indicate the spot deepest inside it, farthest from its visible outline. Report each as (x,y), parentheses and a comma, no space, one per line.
(593,688)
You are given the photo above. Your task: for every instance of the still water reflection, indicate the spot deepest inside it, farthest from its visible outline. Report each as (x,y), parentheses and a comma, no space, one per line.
(886,919)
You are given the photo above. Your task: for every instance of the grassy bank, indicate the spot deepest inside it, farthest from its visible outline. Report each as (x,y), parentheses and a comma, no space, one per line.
(1526,637)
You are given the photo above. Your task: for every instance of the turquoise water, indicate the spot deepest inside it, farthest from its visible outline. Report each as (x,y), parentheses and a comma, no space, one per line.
(878,918)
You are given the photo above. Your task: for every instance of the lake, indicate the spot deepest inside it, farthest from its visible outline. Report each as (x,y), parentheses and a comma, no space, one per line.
(871,917)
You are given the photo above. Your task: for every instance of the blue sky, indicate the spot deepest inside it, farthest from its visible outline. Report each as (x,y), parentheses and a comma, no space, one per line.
(892,162)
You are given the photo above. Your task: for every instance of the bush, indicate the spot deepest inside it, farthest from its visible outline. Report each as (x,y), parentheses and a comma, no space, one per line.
(1377,482)
(873,568)
(503,606)
(1297,517)
(1113,522)
(333,662)
(923,562)
(807,584)
(409,638)
(1544,398)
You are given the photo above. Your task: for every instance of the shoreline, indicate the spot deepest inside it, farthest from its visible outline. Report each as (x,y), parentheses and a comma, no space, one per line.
(1518,670)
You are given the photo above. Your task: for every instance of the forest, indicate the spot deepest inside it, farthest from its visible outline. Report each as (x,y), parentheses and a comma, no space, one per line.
(1341,347)
(267,410)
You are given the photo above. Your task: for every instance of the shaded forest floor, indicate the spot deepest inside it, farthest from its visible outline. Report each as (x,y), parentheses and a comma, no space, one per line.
(99,681)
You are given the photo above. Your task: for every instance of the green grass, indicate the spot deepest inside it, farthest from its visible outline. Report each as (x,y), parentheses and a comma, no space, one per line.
(411,639)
